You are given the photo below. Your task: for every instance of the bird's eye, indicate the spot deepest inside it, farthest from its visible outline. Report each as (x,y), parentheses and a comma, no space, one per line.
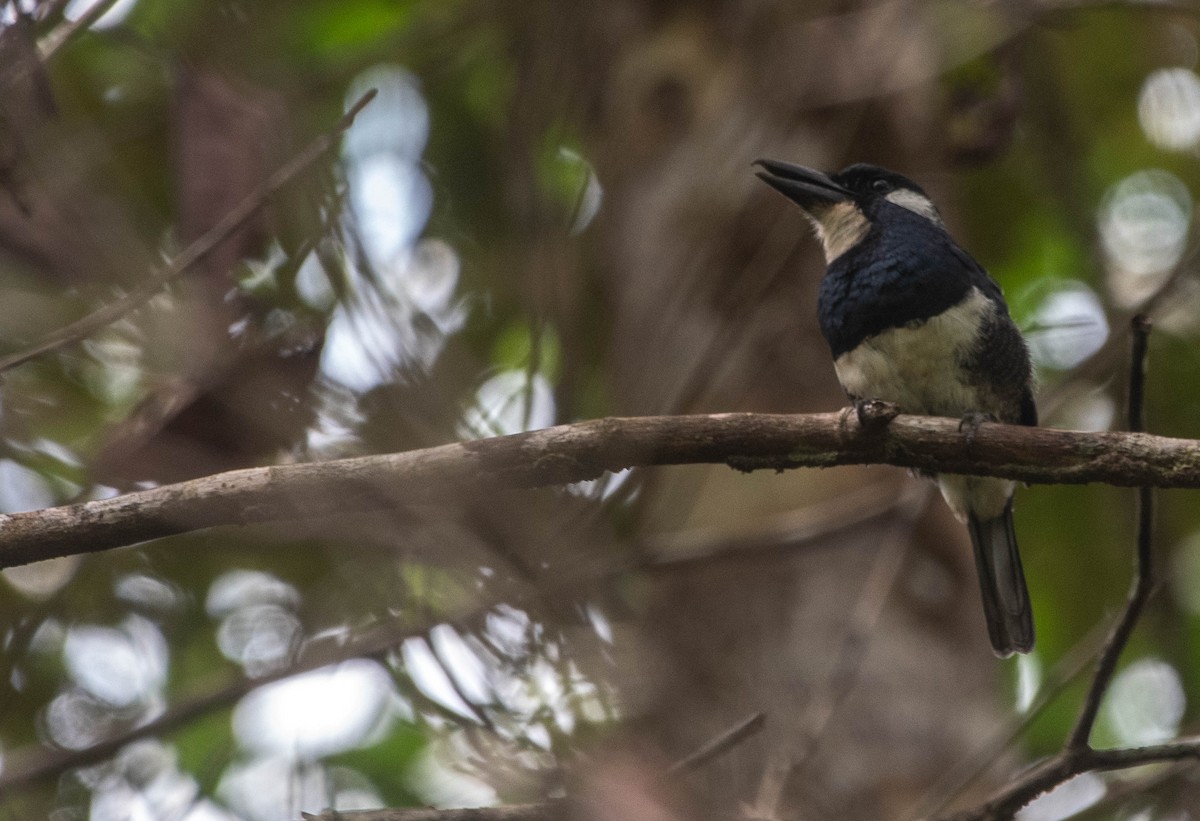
(882,186)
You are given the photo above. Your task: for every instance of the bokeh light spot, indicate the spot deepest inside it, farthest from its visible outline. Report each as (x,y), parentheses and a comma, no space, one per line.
(1169,108)
(1069,325)
(1146,702)
(315,714)
(1144,223)
(109,19)
(241,588)
(512,401)
(119,666)
(260,637)
(1065,800)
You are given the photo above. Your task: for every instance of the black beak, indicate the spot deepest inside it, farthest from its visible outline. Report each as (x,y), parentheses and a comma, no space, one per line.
(806,187)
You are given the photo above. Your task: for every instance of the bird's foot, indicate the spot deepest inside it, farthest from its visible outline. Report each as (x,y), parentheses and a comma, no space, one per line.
(872,414)
(844,421)
(969,425)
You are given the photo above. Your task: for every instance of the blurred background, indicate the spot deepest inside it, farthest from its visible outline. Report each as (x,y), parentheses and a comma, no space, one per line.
(548,214)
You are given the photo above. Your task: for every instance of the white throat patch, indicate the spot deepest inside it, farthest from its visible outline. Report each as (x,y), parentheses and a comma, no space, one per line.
(918,204)
(839,228)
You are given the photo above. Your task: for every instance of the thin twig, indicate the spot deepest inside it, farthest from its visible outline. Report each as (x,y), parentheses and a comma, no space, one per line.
(1143,582)
(1099,366)
(26,767)
(478,711)
(548,811)
(864,618)
(195,252)
(1077,756)
(1065,671)
(830,695)
(1070,763)
(51,10)
(63,32)
(719,745)
(1143,785)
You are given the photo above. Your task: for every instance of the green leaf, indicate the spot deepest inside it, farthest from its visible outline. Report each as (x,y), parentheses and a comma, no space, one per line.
(331,29)
(205,747)
(388,762)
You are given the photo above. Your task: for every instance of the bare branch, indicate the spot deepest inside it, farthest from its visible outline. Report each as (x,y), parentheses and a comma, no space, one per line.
(863,622)
(719,745)
(67,29)
(1066,670)
(548,811)
(35,764)
(571,453)
(1070,763)
(28,766)
(785,763)
(32,765)
(1077,756)
(195,252)
(1143,580)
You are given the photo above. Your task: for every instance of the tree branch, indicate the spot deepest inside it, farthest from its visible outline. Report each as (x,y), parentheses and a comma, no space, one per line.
(1072,762)
(1070,665)
(67,29)
(35,764)
(548,811)
(571,453)
(788,762)
(1077,756)
(719,745)
(198,250)
(1143,577)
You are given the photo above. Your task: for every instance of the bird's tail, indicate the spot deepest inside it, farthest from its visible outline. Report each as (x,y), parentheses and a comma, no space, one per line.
(1002,580)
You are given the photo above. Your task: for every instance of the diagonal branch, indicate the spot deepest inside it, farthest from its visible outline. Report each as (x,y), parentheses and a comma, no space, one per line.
(27,766)
(36,764)
(966,772)
(1143,581)
(572,453)
(547,811)
(788,763)
(198,250)
(1072,762)
(67,29)
(1077,756)
(719,745)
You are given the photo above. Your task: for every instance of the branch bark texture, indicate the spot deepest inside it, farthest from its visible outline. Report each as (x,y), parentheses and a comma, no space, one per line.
(549,811)
(585,450)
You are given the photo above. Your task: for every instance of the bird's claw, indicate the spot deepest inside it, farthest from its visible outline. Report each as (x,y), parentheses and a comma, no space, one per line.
(844,421)
(872,414)
(969,425)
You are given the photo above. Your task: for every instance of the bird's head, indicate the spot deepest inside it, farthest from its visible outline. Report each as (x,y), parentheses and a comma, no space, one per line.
(843,206)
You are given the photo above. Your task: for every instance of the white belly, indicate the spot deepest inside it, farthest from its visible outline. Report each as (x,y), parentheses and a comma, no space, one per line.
(918,368)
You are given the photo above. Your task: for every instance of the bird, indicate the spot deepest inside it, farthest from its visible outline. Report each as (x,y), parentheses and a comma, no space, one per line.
(913,320)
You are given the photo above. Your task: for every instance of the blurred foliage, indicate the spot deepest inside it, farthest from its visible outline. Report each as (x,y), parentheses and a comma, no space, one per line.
(467,316)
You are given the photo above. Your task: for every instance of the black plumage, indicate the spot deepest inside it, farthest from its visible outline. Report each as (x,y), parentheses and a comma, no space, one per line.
(896,275)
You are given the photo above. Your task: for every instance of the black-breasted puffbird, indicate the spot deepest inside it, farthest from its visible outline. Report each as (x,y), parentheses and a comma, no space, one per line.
(912,319)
